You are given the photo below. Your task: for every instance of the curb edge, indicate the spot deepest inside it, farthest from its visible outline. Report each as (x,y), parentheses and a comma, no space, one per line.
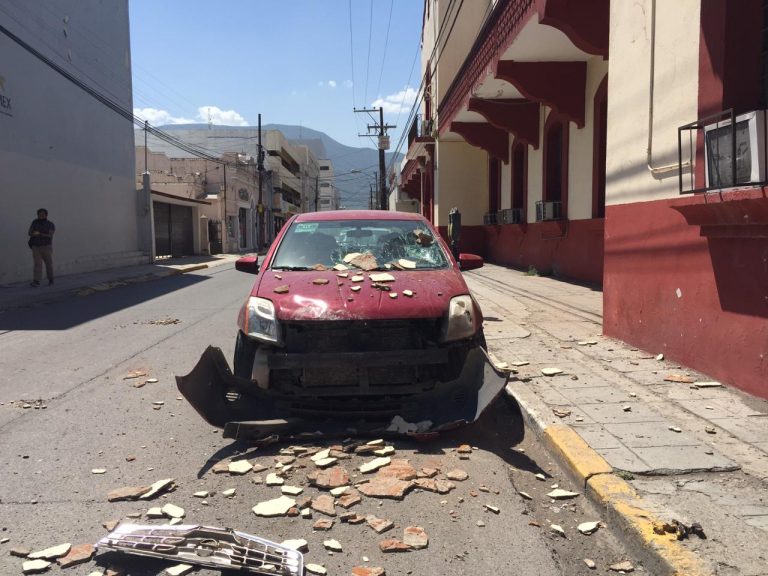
(607,491)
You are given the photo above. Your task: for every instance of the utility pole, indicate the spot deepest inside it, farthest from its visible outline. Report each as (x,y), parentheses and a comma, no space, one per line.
(383,145)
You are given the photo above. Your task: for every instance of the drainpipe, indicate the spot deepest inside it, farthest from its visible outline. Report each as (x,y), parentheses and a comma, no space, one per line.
(656,170)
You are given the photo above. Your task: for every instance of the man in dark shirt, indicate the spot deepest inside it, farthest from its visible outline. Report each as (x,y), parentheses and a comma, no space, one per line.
(41,241)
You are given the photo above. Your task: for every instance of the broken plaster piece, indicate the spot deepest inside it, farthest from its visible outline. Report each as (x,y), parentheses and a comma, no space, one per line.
(375,464)
(551,371)
(382,277)
(275,507)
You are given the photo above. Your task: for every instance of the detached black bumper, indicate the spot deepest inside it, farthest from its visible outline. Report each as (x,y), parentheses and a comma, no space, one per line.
(246,411)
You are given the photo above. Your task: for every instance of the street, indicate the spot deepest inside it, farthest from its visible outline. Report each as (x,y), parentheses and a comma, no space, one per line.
(75,428)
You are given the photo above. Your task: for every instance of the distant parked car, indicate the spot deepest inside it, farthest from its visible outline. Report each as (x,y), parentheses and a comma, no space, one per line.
(356,319)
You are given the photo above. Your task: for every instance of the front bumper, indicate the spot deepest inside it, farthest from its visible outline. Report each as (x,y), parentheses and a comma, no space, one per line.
(246,411)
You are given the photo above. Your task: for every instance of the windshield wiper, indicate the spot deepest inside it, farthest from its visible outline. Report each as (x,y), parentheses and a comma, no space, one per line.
(292,268)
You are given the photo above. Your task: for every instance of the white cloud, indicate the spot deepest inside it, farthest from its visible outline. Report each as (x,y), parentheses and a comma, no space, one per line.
(397,103)
(332,83)
(348,84)
(204,113)
(160,117)
(216,115)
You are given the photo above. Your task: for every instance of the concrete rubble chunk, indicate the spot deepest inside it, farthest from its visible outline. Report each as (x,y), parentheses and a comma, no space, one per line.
(228,493)
(557,529)
(588,527)
(659,357)
(316,569)
(275,507)
(625,566)
(374,465)
(332,545)
(415,537)
(291,490)
(179,569)
(380,525)
(348,500)
(525,495)
(551,371)
(325,462)
(385,451)
(464,449)
(336,492)
(274,480)
(480,523)
(283,289)
(98,471)
(127,493)
(299,544)
(329,478)
(385,487)
(368,571)
(399,469)
(320,455)
(201,494)
(444,486)
(110,525)
(427,484)
(494,509)
(324,504)
(239,467)
(323,524)
(393,545)
(51,553)
(173,511)
(675,429)
(679,378)
(35,566)
(590,563)
(159,487)
(156,512)
(429,472)
(457,474)
(560,494)
(20,552)
(320,281)
(382,277)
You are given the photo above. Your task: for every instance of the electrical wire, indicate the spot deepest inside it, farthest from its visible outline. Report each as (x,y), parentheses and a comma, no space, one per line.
(368,63)
(386,45)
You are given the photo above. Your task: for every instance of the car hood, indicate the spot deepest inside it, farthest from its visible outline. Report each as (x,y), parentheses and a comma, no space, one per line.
(324,295)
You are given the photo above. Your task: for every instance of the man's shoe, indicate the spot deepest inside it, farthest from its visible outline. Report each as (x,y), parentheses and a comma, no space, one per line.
(35,283)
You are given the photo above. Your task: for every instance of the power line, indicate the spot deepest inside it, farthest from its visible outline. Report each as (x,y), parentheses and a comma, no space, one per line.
(386,45)
(368,63)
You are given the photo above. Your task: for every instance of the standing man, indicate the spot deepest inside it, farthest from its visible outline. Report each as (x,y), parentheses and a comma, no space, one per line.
(41,241)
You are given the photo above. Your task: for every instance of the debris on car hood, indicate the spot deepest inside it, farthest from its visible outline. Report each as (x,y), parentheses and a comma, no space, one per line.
(206,546)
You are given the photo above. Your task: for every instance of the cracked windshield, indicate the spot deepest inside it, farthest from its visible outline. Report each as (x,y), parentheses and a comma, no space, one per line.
(360,244)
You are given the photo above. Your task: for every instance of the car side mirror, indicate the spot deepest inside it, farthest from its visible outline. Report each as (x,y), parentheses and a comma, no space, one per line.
(249,264)
(470,261)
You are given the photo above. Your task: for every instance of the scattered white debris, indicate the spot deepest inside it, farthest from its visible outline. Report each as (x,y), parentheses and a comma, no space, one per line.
(201,494)
(588,527)
(51,553)
(274,507)
(320,455)
(240,467)
(375,464)
(179,569)
(35,566)
(386,451)
(525,495)
(299,544)
(557,529)
(541,477)
(173,511)
(675,429)
(332,545)
(560,494)
(551,371)
(336,492)
(99,471)
(382,277)
(316,569)
(229,493)
(274,480)
(291,490)
(660,357)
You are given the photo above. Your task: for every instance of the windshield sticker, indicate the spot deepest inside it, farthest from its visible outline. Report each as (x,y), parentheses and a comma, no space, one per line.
(306,227)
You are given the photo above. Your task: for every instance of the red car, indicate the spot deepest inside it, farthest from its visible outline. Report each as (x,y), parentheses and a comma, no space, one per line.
(357,320)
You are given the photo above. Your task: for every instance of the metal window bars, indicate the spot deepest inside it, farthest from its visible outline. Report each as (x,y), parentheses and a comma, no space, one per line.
(724,164)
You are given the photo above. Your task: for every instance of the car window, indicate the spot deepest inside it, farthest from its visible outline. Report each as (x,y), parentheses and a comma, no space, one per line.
(366,244)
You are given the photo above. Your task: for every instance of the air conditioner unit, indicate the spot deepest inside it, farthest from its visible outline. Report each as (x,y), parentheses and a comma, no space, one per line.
(548,211)
(426,127)
(749,147)
(489,219)
(510,216)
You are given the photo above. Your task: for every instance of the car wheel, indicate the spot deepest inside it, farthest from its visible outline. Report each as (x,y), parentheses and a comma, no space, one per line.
(245,352)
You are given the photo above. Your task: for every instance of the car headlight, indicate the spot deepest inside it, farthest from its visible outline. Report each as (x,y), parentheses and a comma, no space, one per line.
(462,320)
(257,320)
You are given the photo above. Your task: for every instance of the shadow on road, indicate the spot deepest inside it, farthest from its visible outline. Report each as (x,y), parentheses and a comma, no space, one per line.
(74,309)
(499,430)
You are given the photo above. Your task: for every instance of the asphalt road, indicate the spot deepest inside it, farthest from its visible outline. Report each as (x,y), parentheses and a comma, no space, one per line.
(67,361)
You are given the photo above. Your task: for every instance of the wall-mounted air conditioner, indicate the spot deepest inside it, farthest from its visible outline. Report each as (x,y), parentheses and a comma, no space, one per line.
(548,211)
(510,216)
(742,149)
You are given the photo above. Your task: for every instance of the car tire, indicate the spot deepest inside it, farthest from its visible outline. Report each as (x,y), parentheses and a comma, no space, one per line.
(245,352)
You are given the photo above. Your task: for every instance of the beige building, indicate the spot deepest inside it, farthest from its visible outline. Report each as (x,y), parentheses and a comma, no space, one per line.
(329,198)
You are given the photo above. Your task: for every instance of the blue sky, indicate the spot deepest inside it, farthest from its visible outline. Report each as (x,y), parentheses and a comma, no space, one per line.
(290,60)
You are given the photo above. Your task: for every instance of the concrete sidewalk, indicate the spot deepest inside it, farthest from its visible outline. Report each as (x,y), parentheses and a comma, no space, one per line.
(21,294)
(648,440)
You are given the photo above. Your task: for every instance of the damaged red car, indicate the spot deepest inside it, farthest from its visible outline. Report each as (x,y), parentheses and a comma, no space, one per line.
(358,321)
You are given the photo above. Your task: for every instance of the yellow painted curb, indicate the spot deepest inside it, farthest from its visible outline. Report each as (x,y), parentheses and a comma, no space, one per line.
(626,507)
(573,452)
(193,268)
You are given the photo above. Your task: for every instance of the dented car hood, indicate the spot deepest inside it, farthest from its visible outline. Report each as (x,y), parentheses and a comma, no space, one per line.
(324,295)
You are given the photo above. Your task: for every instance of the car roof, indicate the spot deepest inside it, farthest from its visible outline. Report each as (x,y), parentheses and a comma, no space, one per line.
(342,215)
